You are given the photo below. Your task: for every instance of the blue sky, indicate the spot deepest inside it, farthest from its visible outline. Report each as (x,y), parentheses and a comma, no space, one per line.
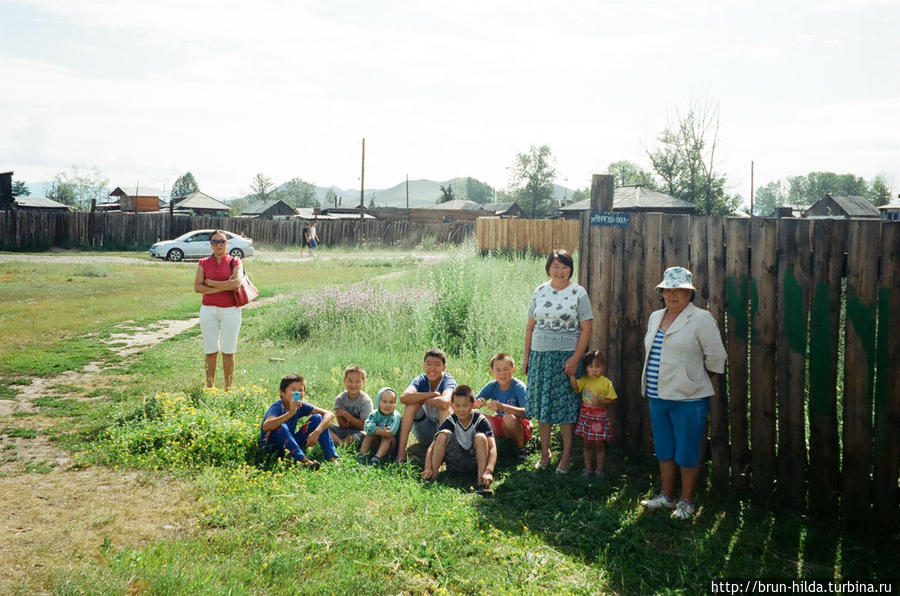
(146,91)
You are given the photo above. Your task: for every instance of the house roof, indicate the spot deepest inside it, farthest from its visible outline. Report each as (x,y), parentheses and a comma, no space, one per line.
(139,191)
(893,205)
(456,204)
(263,206)
(199,200)
(855,206)
(635,197)
(39,203)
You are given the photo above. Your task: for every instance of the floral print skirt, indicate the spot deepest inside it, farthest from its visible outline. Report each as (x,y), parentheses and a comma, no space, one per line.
(549,396)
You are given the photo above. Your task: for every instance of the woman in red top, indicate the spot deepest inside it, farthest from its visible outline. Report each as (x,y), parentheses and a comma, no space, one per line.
(220,320)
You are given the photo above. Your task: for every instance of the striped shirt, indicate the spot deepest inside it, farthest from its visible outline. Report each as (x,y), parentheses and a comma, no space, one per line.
(653,364)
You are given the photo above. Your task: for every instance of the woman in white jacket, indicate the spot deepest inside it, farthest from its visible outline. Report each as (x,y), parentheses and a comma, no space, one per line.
(683,352)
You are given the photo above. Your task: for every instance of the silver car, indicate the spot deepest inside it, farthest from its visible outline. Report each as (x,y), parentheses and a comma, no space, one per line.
(195,245)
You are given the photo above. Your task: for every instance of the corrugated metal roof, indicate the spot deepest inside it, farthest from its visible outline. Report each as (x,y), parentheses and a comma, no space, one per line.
(635,197)
(855,206)
(39,203)
(199,200)
(139,191)
(455,204)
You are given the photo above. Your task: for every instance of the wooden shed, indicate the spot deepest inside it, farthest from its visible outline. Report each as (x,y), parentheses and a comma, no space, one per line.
(842,207)
(39,204)
(268,209)
(136,199)
(634,199)
(199,203)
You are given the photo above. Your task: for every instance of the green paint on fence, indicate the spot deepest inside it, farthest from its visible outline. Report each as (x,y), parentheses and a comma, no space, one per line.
(737,305)
(884,364)
(821,371)
(754,312)
(794,313)
(861,315)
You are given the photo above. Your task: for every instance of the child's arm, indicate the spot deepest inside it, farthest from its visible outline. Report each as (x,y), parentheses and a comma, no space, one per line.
(487,478)
(273,422)
(574,383)
(607,402)
(327,418)
(352,421)
(411,396)
(502,408)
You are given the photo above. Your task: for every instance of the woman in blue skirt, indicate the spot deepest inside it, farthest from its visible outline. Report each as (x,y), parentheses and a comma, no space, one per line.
(556,337)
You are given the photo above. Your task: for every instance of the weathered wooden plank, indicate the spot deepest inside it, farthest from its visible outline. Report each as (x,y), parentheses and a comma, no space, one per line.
(887,389)
(652,300)
(829,237)
(791,348)
(763,320)
(863,248)
(616,324)
(737,268)
(633,329)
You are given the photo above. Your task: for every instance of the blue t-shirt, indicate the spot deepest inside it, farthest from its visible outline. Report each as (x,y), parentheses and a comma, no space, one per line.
(277,409)
(514,396)
(422,385)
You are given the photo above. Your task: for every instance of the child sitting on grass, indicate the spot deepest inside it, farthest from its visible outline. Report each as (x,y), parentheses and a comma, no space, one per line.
(426,402)
(593,420)
(505,395)
(381,427)
(465,441)
(279,432)
(351,407)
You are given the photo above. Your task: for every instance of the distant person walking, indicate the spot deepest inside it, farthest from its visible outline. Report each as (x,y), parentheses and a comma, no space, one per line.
(220,320)
(313,239)
(304,238)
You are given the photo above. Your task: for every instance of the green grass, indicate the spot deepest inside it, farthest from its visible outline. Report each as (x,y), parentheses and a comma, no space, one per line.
(267,527)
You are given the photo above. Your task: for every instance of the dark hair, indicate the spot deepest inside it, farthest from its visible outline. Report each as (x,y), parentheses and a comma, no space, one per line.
(286,381)
(464,391)
(591,357)
(502,356)
(355,368)
(563,256)
(224,235)
(436,353)
(660,290)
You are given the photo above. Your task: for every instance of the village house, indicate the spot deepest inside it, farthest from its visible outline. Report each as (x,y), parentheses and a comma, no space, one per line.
(269,209)
(842,207)
(199,203)
(634,199)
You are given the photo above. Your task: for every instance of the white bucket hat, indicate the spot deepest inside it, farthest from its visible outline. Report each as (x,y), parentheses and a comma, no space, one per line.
(676,278)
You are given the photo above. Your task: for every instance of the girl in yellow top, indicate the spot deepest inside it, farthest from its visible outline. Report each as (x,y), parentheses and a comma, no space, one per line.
(597,393)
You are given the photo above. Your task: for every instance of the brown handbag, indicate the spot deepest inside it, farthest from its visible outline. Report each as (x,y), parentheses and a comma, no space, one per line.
(247,292)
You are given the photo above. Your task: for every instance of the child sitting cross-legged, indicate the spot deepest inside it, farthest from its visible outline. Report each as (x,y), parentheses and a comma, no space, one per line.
(279,432)
(381,427)
(465,441)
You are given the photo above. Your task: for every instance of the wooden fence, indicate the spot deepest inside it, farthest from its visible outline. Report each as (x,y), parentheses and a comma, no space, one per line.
(23,230)
(539,235)
(810,313)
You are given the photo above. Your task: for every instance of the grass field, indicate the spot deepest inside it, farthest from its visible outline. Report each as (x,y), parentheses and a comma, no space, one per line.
(255,526)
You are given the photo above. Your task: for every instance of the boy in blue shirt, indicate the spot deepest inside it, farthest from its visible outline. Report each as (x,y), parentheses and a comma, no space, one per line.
(279,432)
(426,402)
(505,395)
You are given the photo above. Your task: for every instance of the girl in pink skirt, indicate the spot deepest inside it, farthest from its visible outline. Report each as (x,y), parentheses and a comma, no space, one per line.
(597,393)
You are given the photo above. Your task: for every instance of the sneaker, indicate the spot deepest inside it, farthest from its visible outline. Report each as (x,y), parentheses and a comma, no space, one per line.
(660,501)
(542,464)
(361,459)
(522,457)
(587,473)
(683,510)
(375,461)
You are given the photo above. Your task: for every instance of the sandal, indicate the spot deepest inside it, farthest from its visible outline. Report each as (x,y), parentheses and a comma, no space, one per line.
(485,491)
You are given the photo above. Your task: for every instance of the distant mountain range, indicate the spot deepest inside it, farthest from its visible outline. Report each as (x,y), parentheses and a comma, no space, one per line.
(422,193)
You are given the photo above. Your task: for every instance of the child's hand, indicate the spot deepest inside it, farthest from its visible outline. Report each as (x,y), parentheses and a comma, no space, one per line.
(495,406)
(312,439)
(479,403)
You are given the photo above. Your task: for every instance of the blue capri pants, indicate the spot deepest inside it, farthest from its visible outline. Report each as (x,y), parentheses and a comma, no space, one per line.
(281,439)
(678,428)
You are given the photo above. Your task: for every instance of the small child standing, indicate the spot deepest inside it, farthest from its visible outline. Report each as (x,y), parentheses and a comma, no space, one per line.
(597,393)
(381,427)
(505,395)
(351,407)
(465,440)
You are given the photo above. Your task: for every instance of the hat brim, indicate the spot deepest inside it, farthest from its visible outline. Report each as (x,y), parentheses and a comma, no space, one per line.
(663,286)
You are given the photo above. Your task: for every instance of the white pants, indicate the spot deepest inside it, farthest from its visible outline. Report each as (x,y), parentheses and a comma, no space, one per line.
(220,327)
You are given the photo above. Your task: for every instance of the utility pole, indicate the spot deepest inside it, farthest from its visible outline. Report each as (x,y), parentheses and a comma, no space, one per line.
(362,191)
(751,188)
(407,192)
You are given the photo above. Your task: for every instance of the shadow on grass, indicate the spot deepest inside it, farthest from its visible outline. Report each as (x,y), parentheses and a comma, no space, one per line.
(602,524)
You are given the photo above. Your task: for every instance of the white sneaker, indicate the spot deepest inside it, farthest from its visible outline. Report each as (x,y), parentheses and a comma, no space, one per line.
(660,501)
(683,510)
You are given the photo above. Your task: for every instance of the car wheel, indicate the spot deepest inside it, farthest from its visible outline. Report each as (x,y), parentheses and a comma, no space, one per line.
(237,253)
(176,254)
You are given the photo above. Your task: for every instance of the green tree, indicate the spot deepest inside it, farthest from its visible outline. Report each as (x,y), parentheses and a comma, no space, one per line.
(478,191)
(531,181)
(80,186)
(184,185)
(686,161)
(296,192)
(628,173)
(879,191)
(580,194)
(20,189)
(331,198)
(767,198)
(446,194)
(260,188)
